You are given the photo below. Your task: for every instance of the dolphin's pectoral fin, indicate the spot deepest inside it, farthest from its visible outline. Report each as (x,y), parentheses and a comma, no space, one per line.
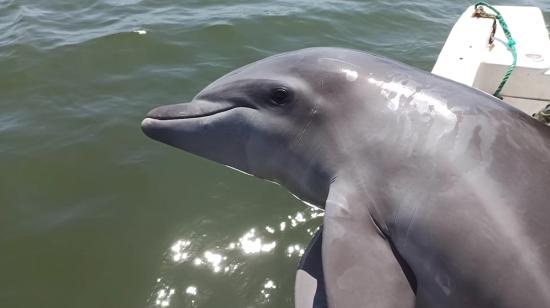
(360,268)
(310,282)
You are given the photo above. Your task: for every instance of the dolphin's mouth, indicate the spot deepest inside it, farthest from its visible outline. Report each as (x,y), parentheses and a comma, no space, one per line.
(192,110)
(159,115)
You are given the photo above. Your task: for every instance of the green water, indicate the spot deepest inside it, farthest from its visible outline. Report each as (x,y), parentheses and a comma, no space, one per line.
(94,214)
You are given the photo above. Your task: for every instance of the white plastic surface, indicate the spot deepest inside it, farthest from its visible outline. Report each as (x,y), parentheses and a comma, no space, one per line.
(467,58)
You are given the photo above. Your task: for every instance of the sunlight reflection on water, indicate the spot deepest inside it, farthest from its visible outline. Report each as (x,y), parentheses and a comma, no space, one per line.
(258,242)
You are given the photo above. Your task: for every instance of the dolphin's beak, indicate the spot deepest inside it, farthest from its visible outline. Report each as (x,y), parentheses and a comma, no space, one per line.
(195,109)
(212,130)
(160,122)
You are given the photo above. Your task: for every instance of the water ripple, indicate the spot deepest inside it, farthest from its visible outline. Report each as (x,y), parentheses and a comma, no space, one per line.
(85,194)
(194,252)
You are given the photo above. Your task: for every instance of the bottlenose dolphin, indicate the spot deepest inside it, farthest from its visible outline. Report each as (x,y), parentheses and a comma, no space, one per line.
(435,194)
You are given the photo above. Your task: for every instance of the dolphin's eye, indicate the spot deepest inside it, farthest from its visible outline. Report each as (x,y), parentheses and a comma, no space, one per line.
(280,96)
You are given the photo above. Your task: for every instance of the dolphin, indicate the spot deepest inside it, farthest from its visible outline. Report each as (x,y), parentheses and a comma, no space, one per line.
(435,194)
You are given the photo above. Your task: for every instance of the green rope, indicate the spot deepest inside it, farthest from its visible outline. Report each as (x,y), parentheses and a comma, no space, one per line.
(511,43)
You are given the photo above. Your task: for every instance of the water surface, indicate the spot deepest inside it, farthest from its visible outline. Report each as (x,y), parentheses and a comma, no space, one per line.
(94,214)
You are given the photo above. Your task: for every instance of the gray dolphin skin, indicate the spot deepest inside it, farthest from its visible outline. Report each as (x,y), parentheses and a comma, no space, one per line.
(435,194)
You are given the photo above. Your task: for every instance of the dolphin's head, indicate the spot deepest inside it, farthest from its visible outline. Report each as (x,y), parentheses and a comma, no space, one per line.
(268,119)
